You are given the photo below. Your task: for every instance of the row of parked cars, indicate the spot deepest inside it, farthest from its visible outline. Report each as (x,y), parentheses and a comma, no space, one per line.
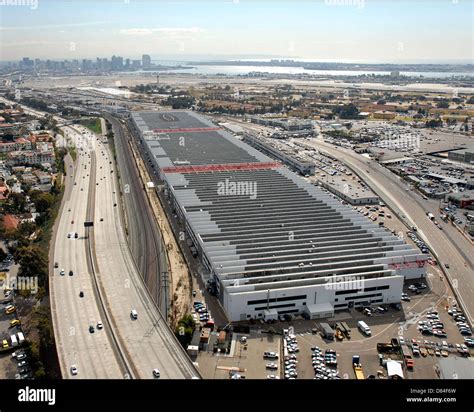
(422,245)
(417,287)
(460,319)
(432,326)
(291,344)
(201,310)
(24,371)
(325,366)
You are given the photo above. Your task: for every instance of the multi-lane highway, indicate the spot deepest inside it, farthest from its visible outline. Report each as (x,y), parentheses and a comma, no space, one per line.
(92,353)
(456,252)
(105,272)
(147,342)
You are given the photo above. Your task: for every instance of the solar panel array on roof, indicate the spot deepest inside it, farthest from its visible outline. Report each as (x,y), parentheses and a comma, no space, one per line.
(262,230)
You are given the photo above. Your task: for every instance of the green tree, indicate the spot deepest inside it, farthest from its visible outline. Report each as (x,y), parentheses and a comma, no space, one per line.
(44,202)
(185,330)
(33,262)
(443,104)
(16,202)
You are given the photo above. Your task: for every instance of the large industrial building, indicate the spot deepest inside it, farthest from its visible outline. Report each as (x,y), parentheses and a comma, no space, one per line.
(270,242)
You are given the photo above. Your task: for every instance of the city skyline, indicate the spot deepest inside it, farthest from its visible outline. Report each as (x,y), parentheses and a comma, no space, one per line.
(323,31)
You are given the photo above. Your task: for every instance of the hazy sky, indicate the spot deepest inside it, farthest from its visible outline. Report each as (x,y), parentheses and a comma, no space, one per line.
(337,30)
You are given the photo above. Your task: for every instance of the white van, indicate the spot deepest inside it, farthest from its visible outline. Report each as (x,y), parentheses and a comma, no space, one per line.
(364,328)
(14,341)
(134,314)
(21,337)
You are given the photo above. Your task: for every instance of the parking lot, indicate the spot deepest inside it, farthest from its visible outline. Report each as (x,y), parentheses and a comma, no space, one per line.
(13,360)
(298,340)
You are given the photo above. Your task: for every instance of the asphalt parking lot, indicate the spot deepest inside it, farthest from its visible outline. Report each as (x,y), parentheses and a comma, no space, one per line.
(385,326)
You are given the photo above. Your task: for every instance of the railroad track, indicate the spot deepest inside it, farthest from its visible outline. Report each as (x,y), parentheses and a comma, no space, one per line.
(144,238)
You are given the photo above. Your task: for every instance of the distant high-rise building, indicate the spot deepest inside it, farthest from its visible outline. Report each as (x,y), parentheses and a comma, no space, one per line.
(146,61)
(86,64)
(117,63)
(27,63)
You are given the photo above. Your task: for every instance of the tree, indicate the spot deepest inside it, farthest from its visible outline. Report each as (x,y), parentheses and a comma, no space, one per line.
(33,262)
(43,202)
(347,111)
(17,202)
(434,123)
(185,330)
(443,104)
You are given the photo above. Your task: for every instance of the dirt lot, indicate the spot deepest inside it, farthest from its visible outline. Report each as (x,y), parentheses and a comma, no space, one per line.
(179,277)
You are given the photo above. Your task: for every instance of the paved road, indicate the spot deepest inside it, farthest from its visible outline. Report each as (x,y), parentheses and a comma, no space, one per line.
(92,353)
(143,234)
(148,342)
(394,192)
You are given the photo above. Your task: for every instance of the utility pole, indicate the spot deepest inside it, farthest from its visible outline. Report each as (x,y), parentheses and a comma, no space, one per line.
(164,292)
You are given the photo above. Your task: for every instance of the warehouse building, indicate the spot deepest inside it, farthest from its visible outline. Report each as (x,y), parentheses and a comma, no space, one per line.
(268,239)
(462,155)
(302,166)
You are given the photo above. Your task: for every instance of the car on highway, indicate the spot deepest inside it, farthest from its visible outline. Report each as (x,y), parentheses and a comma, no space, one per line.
(446,265)
(81,294)
(99,325)
(73,370)
(71,273)
(76,235)
(133,314)
(56,265)
(91,329)
(61,272)
(156,373)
